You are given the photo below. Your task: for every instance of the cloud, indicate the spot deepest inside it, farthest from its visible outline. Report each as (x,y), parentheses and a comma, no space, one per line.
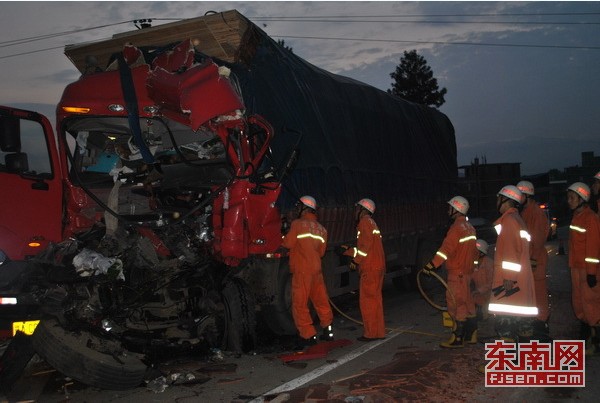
(62,77)
(511,100)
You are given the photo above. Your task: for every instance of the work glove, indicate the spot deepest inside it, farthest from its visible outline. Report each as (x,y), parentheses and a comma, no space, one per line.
(591,280)
(353,265)
(285,225)
(428,268)
(340,250)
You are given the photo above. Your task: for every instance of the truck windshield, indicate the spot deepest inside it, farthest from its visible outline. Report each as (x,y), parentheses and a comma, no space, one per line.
(183,167)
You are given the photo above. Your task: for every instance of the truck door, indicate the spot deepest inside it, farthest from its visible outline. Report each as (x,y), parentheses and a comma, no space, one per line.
(30,183)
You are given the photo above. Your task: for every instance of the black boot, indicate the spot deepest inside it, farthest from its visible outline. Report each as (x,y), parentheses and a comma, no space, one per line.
(585,330)
(525,330)
(506,328)
(592,344)
(327,334)
(302,343)
(471,331)
(541,331)
(456,340)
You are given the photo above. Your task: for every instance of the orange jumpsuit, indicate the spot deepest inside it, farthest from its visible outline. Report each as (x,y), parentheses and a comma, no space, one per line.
(459,251)
(482,279)
(511,262)
(370,257)
(538,228)
(584,255)
(307,240)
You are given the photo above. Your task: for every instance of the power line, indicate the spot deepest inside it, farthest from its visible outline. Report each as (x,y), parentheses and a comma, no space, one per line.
(441,42)
(14,42)
(442,22)
(436,15)
(31,52)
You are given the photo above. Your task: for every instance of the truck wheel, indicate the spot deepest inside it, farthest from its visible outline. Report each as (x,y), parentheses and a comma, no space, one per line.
(240,319)
(278,316)
(71,353)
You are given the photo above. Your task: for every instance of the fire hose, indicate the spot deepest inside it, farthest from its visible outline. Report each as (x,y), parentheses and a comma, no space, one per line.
(424,294)
(429,300)
(351,319)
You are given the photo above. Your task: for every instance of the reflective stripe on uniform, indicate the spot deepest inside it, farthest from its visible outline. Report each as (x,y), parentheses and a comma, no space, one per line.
(511,266)
(514,309)
(525,235)
(358,252)
(309,235)
(576,228)
(441,254)
(592,260)
(467,238)
(498,228)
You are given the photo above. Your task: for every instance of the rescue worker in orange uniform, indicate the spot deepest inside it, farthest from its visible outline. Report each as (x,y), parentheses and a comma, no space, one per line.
(513,293)
(538,228)
(368,258)
(307,241)
(584,261)
(458,252)
(482,280)
(596,193)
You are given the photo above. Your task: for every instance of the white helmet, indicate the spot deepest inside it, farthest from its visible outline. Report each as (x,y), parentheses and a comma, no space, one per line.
(482,246)
(367,204)
(581,189)
(459,204)
(526,187)
(309,202)
(511,192)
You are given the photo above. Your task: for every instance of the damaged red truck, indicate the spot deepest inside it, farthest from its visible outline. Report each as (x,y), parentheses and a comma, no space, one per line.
(152,221)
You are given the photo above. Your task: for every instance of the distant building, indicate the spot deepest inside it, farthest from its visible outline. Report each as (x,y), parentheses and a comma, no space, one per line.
(481,182)
(590,164)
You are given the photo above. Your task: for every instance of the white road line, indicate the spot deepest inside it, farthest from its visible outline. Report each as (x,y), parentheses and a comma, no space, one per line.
(317,372)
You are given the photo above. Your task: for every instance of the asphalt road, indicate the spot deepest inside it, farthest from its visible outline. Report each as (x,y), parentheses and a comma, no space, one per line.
(406,366)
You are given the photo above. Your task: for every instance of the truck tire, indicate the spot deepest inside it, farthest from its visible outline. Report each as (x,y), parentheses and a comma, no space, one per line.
(69,353)
(240,319)
(278,315)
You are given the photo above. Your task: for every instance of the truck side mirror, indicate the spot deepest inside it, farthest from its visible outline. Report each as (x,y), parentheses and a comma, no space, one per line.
(10,134)
(16,162)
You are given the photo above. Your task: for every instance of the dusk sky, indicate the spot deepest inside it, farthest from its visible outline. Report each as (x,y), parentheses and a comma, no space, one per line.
(522,77)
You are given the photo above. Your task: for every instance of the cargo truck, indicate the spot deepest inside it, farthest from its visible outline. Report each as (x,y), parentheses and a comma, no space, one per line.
(151,222)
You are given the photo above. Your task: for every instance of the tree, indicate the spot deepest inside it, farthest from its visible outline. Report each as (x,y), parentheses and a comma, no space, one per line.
(414,81)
